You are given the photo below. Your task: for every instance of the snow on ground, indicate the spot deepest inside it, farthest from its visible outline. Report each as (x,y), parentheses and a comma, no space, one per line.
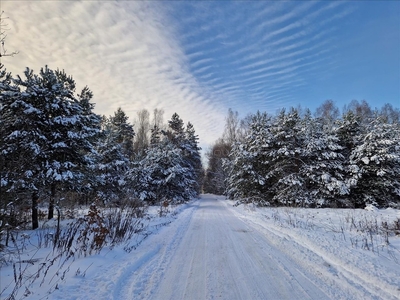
(214,250)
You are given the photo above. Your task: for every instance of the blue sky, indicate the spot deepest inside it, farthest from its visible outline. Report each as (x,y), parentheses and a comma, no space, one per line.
(200,58)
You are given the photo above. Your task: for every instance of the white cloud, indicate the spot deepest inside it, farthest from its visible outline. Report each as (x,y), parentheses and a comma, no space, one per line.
(126,52)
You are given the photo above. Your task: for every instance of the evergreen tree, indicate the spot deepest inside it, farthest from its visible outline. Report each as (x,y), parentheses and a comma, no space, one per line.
(187,142)
(50,129)
(286,159)
(161,175)
(378,158)
(192,156)
(155,136)
(12,199)
(8,94)
(113,161)
(323,167)
(92,122)
(249,164)
(176,132)
(350,131)
(123,132)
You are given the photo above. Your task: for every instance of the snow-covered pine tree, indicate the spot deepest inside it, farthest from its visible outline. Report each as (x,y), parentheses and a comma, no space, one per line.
(186,142)
(286,159)
(191,153)
(155,136)
(123,131)
(176,132)
(92,122)
(349,130)
(8,93)
(323,168)
(113,161)
(168,171)
(378,157)
(48,128)
(161,176)
(249,164)
(11,160)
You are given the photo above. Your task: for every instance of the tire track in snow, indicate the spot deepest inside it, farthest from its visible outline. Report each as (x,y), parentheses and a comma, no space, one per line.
(218,256)
(272,275)
(350,279)
(143,276)
(211,251)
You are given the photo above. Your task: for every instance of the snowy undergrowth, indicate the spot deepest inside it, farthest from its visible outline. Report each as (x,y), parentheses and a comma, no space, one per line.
(360,247)
(36,263)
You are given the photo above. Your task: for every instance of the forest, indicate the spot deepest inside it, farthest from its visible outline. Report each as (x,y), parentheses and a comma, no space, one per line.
(56,150)
(298,158)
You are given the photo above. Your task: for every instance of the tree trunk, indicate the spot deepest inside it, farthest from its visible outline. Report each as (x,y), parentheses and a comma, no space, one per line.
(51,203)
(35,221)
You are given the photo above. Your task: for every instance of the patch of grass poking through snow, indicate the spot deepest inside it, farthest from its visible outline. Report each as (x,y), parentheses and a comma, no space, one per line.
(86,235)
(361,229)
(293,218)
(370,233)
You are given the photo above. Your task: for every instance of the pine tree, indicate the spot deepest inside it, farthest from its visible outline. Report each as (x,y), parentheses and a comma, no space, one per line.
(286,159)
(161,175)
(113,161)
(378,158)
(48,128)
(323,168)
(123,131)
(92,122)
(191,152)
(248,165)
(187,142)
(8,94)
(350,131)
(176,132)
(11,160)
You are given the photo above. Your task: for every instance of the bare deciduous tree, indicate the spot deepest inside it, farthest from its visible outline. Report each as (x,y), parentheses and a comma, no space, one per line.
(142,124)
(3,35)
(158,118)
(327,112)
(232,124)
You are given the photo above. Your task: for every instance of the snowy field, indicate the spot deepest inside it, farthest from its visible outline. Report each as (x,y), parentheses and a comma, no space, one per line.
(210,249)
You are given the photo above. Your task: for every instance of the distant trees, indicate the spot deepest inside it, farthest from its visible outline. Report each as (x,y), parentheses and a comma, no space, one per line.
(296,159)
(215,174)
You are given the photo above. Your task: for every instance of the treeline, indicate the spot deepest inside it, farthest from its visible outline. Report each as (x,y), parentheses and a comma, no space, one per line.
(297,158)
(54,149)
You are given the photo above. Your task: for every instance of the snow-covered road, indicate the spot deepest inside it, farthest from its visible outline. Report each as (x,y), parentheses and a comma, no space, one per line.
(213,251)
(215,255)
